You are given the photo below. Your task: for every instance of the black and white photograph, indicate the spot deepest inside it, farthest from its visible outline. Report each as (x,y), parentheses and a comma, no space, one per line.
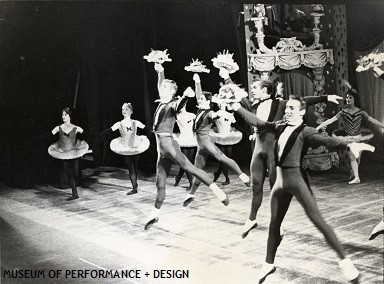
(192,142)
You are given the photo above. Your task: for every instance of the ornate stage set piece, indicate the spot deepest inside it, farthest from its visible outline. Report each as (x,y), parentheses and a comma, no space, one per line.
(289,54)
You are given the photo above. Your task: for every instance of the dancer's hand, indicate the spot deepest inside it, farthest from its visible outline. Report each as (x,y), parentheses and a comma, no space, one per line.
(196,78)
(334,99)
(224,73)
(252,137)
(189,92)
(159,67)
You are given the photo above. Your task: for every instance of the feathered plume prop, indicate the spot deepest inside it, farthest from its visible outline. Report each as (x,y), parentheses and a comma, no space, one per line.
(346,83)
(369,61)
(158,56)
(225,60)
(196,66)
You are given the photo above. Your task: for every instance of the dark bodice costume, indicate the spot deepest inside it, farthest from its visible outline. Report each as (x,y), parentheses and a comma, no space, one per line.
(352,131)
(68,147)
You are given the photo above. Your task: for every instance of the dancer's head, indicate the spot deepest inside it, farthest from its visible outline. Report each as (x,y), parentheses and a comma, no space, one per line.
(263,89)
(127,110)
(295,109)
(66,114)
(167,90)
(205,100)
(351,97)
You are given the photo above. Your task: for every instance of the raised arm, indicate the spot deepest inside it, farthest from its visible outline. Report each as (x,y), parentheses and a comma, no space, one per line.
(198,89)
(180,102)
(160,74)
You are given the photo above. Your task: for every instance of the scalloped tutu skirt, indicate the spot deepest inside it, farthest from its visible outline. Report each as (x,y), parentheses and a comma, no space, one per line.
(185,141)
(232,138)
(80,149)
(142,144)
(364,136)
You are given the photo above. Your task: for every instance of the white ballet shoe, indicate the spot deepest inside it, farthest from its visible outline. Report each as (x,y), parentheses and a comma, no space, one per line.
(354,181)
(377,230)
(349,270)
(248,226)
(219,193)
(188,199)
(266,270)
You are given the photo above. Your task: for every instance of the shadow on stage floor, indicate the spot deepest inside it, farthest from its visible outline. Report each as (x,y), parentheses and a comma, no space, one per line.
(104,230)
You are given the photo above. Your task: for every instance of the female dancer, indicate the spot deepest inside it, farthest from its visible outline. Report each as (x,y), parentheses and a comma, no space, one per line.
(203,123)
(68,149)
(186,139)
(225,137)
(352,131)
(130,145)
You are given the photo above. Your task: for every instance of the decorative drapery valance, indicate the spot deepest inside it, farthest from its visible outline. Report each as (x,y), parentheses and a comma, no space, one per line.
(287,59)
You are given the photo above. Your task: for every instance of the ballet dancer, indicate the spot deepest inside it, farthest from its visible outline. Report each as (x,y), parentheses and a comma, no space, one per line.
(203,124)
(267,106)
(129,144)
(225,137)
(69,149)
(352,131)
(167,148)
(292,136)
(186,139)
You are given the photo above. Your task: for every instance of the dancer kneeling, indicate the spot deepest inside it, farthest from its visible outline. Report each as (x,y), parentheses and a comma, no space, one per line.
(291,180)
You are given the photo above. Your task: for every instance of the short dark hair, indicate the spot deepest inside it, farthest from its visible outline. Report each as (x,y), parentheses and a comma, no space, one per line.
(271,87)
(68,111)
(303,104)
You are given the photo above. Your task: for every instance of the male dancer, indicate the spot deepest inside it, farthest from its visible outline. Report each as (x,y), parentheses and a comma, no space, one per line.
(168,150)
(292,139)
(269,108)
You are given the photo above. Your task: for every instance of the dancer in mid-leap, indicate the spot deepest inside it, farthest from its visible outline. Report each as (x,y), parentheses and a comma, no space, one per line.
(203,124)
(130,145)
(292,137)
(69,149)
(269,108)
(167,148)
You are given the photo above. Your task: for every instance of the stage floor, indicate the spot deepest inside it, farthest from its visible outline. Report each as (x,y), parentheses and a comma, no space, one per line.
(104,230)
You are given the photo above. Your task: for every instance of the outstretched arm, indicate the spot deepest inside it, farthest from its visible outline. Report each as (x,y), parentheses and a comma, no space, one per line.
(251,118)
(329,121)
(180,103)
(372,120)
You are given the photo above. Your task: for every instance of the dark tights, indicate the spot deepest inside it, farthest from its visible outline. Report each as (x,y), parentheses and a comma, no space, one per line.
(72,169)
(132,163)
(190,153)
(227,150)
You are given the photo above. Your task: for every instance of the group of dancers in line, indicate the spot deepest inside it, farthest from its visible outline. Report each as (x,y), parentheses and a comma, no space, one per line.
(281,137)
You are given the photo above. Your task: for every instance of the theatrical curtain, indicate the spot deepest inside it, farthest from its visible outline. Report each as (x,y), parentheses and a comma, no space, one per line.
(371,95)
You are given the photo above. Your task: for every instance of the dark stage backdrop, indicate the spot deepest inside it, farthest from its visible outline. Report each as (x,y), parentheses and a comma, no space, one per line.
(45,45)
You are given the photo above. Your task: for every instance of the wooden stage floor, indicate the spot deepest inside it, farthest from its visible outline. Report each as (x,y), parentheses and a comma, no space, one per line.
(104,230)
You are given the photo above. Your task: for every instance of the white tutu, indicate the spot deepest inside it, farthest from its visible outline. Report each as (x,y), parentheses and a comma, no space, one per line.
(80,149)
(141,145)
(225,139)
(185,141)
(357,138)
